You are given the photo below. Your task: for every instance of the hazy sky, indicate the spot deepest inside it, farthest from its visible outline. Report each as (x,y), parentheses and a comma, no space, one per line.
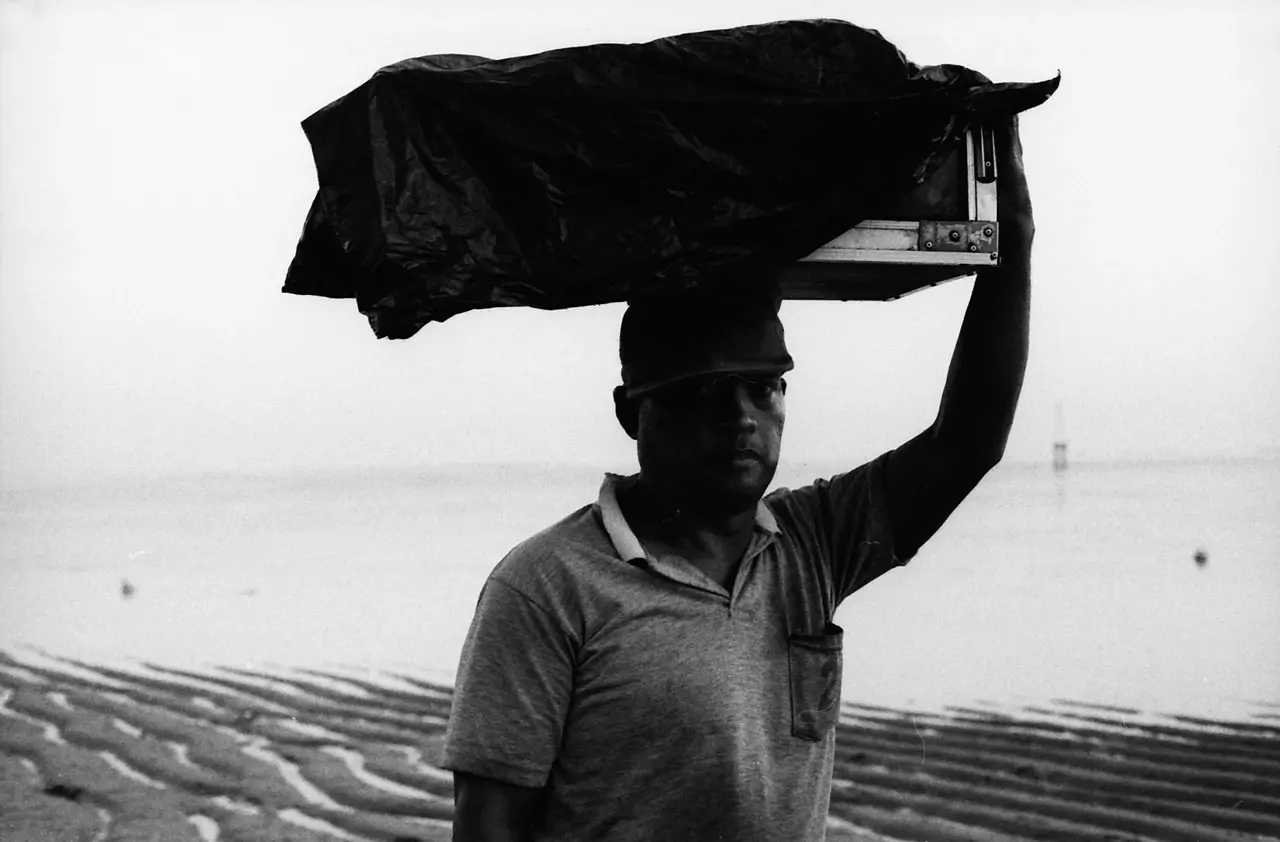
(154,179)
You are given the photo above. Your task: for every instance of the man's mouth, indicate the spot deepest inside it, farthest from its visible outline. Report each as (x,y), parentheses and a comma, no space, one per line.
(735,452)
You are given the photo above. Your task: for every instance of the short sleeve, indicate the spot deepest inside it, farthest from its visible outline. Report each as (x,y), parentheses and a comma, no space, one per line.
(844,521)
(515,679)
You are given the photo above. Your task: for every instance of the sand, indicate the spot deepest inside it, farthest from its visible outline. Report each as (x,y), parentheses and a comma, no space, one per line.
(92,752)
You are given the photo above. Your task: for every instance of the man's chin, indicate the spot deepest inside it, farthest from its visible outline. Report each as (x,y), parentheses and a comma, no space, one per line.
(743,483)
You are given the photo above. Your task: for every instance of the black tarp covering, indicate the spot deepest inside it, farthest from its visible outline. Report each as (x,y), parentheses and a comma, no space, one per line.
(603,173)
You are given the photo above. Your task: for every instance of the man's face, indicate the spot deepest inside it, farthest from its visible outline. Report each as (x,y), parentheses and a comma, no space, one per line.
(715,440)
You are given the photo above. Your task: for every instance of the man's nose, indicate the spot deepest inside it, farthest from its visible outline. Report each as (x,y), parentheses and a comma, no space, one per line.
(734,405)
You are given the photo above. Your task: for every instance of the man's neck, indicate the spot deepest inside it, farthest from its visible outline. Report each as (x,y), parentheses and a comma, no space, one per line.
(695,532)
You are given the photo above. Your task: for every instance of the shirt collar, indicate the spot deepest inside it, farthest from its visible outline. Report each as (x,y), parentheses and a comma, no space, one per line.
(624,540)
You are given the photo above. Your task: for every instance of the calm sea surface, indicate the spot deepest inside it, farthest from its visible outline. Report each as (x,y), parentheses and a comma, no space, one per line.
(1040,587)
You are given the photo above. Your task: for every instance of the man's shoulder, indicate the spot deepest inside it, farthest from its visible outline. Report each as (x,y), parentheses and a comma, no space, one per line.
(578,532)
(789,501)
(547,564)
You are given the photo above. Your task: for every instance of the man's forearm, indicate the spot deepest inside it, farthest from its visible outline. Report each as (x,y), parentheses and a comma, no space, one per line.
(929,475)
(990,357)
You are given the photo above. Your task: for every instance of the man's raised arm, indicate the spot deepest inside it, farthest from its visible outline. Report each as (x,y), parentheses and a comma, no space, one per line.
(929,475)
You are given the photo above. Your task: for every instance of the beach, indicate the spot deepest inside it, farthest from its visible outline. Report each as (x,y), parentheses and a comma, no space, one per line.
(1054,664)
(90,752)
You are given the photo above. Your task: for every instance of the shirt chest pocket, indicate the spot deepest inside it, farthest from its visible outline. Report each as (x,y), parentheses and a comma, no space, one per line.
(816,663)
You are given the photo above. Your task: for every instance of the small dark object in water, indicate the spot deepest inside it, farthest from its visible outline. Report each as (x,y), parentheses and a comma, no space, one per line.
(1201,557)
(70,793)
(126,588)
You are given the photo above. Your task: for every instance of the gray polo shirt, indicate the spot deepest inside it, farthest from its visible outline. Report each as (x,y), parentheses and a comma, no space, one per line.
(650,702)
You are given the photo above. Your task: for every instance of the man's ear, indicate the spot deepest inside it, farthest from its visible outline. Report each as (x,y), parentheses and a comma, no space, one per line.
(628,411)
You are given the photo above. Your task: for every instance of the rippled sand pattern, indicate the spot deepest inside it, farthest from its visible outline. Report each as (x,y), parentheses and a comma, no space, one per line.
(96,753)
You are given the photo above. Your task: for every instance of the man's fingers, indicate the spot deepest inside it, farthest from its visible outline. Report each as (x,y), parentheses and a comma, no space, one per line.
(1008,141)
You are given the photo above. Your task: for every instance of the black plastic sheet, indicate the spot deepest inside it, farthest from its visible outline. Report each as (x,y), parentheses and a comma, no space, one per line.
(604,173)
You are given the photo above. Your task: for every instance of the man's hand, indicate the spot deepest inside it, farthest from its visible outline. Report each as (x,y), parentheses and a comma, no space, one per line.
(930,474)
(1013,200)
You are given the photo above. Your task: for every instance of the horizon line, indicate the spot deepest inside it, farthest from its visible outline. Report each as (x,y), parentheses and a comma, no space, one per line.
(284,472)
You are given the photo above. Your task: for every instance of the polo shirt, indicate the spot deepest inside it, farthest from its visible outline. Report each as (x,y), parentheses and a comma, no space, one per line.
(651,703)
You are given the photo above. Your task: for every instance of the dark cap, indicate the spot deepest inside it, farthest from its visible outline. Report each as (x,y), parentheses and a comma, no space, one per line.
(733,329)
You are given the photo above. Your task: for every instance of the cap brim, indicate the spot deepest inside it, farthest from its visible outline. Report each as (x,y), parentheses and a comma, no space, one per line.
(751,367)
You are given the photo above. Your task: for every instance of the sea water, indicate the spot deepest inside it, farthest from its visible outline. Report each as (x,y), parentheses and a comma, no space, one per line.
(1042,586)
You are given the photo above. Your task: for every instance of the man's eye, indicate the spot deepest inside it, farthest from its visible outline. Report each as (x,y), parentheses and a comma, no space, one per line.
(765,388)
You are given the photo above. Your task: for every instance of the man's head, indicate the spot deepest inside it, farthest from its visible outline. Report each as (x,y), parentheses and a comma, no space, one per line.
(702,393)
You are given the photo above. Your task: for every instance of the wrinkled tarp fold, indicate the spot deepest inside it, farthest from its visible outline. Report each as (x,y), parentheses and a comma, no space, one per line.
(603,173)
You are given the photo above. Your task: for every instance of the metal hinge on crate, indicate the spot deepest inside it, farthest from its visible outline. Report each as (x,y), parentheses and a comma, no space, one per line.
(942,249)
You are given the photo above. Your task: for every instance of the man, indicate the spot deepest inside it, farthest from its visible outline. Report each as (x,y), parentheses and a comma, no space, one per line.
(663,664)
